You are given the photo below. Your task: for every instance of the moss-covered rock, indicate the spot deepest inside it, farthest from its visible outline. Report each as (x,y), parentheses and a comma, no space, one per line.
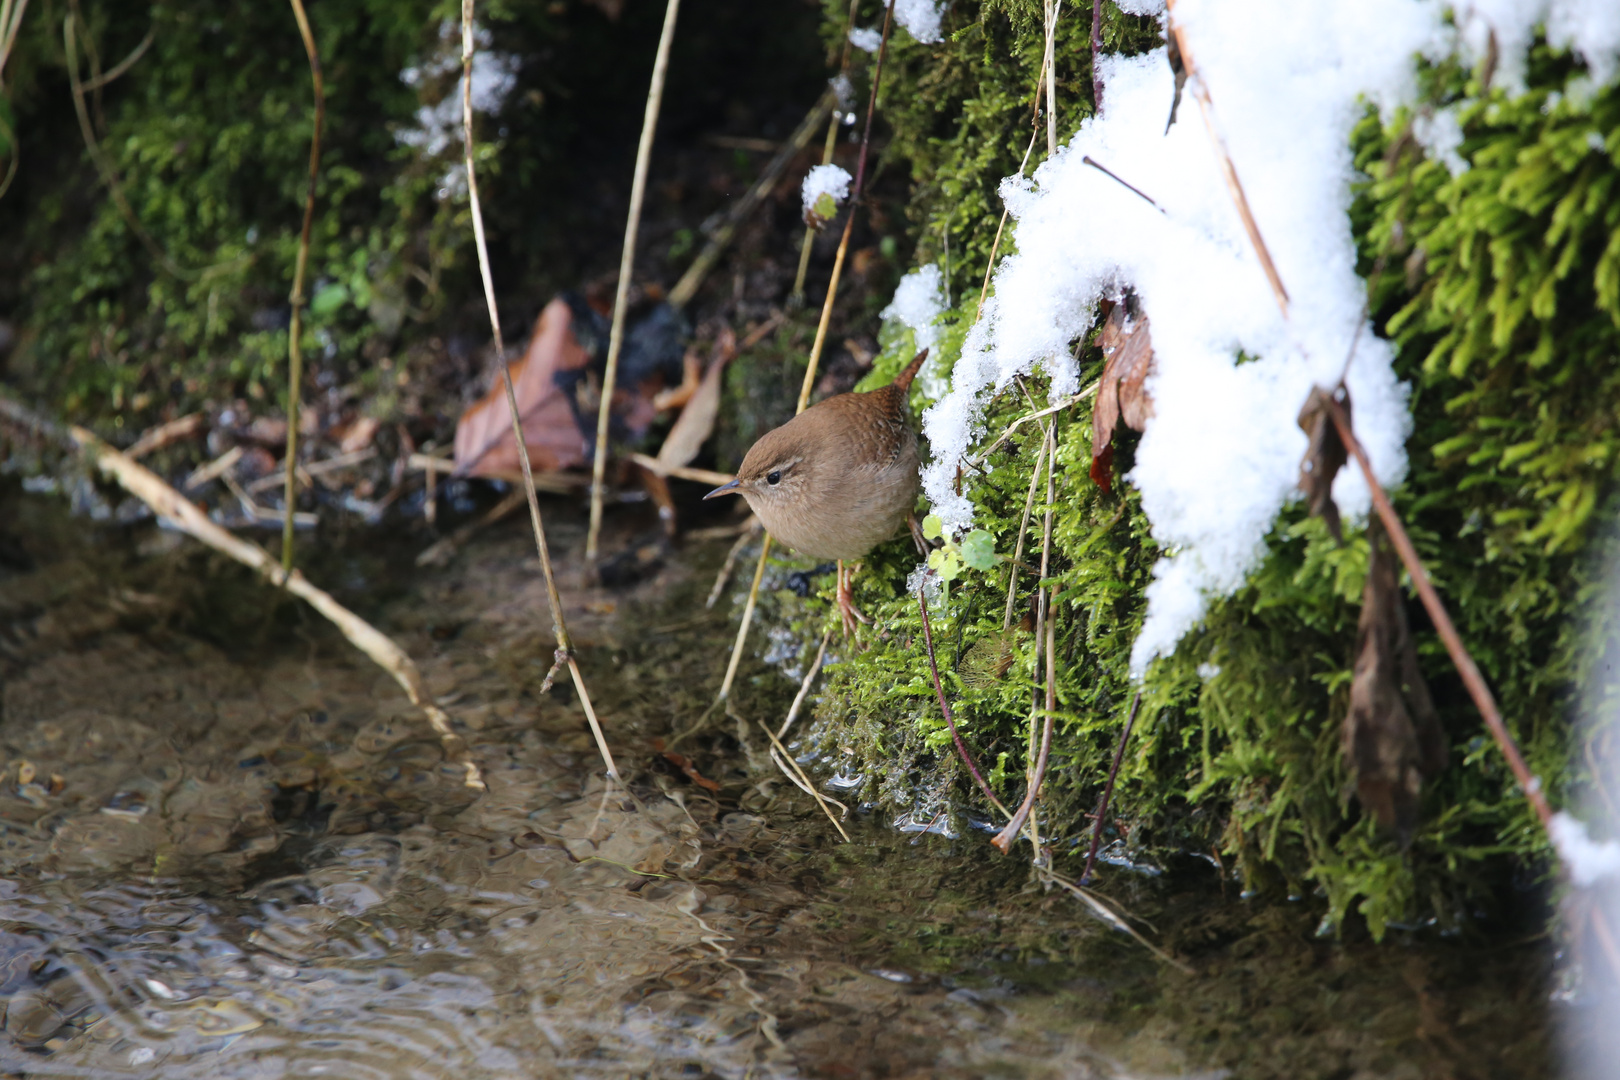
(1500,286)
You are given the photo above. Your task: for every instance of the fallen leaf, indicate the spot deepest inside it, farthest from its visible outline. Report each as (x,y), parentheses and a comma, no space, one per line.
(1127,345)
(359,435)
(551,432)
(1391,736)
(696,422)
(1324,456)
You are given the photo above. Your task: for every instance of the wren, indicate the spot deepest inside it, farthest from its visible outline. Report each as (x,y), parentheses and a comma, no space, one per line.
(838,479)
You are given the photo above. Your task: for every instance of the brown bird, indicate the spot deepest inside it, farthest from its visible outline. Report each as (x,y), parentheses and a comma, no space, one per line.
(838,479)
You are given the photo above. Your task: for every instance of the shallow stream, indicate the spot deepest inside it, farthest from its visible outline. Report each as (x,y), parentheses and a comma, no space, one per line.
(230,848)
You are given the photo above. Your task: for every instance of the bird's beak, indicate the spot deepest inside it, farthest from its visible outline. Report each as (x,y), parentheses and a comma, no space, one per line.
(723,489)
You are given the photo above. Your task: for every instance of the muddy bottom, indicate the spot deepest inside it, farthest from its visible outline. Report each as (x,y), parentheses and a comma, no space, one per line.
(230,848)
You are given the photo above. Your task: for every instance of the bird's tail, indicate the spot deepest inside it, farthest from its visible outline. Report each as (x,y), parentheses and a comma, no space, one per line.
(903,380)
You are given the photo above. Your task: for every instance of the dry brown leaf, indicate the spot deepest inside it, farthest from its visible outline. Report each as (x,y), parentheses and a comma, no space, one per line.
(1324,457)
(1127,345)
(1391,736)
(358,435)
(484,444)
(696,422)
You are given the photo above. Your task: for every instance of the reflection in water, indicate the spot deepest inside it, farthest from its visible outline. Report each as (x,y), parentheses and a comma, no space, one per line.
(227,850)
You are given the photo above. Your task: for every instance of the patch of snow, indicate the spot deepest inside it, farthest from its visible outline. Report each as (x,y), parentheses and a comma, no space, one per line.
(920,18)
(866,38)
(1441,134)
(918,302)
(1221,456)
(1589,861)
(829,180)
(1140,7)
(437,128)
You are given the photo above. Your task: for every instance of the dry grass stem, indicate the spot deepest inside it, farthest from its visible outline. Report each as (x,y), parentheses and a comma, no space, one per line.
(621,293)
(1108,915)
(1040,736)
(796,297)
(682,472)
(750,531)
(821,338)
(1108,788)
(559,627)
(693,279)
(804,687)
(1018,547)
(790,769)
(295,352)
(1049,66)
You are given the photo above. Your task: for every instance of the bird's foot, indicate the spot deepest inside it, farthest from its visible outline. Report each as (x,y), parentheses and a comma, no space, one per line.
(917,537)
(846,603)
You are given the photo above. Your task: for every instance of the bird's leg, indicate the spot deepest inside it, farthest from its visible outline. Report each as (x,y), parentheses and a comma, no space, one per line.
(846,602)
(917,536)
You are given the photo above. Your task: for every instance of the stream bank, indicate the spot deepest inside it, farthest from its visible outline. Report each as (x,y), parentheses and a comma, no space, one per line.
(231,849)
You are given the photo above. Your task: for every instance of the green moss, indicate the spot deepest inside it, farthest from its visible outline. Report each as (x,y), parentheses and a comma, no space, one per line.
(1501,289)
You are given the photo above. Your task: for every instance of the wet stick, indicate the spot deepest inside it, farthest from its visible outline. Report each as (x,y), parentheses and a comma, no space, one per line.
(945,708)
(815,349)
(1108,788)
(564,655)
(184,515)
(621,294)
(295,352)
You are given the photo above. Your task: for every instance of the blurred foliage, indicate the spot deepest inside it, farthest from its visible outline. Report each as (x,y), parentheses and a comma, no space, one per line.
(208,135)
(1501,288)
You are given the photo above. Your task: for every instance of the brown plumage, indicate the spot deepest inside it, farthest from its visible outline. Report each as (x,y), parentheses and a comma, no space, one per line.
(839,478)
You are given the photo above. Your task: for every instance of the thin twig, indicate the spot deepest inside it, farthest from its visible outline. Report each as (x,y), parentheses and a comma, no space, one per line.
(1034,133)
(720,579)
(1045,628)
(1023,527)
(792,771)
(1460,658)
(821,339)
(121,68)
(979,458)
(295,352)
(1111,174)
(1108,788)
(1096,51)
(1050,64)
(621,294)
(796,297)
(804,687)
(945,707)
(1110,916)
(690,281)
(1223,157)
(559,627)
(11,15)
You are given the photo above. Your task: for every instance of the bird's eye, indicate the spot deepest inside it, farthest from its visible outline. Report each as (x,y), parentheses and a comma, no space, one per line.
(774,478)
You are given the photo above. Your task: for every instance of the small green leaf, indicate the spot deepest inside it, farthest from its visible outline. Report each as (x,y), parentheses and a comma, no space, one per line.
(329,301)
(947,564)
(825,207)
(979,550)
(932,527)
